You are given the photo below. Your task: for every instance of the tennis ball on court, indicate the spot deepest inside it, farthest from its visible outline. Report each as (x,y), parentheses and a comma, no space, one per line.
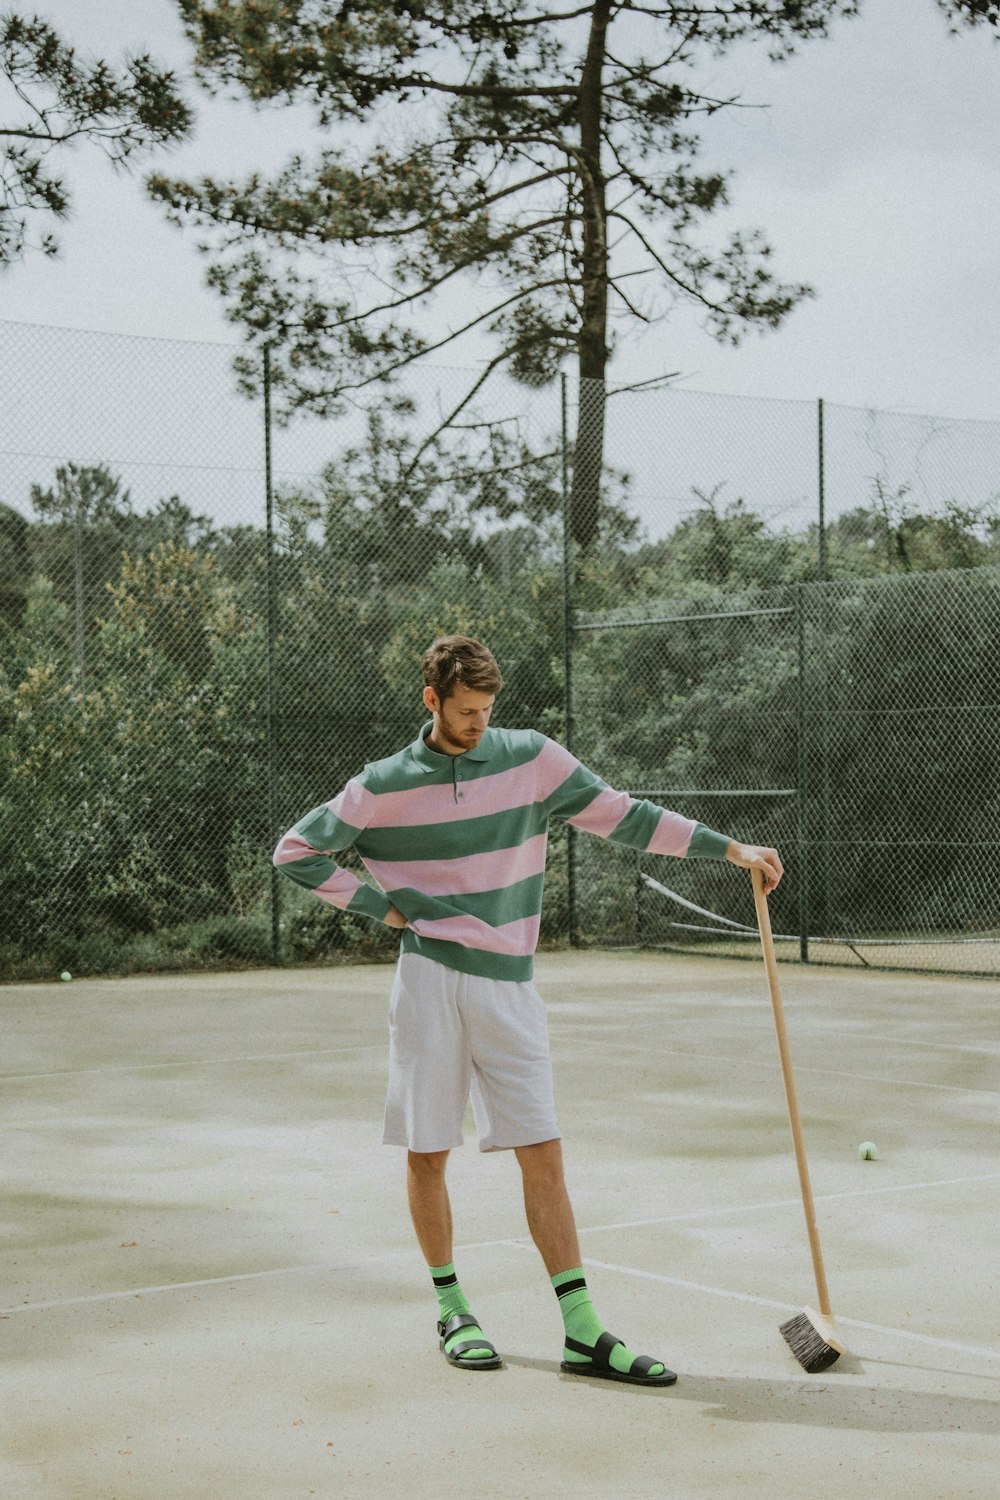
(66,975)
(868,1151)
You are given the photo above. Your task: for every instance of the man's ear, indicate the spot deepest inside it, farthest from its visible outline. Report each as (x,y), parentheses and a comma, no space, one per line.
(431,701)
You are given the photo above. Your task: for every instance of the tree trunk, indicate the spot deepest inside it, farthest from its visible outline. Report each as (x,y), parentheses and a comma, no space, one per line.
(588,459)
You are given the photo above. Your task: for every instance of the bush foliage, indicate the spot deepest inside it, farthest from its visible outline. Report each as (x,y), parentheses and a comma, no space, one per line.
(146,762)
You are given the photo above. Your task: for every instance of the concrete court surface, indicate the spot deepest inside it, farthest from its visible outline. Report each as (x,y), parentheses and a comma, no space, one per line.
(212,1291)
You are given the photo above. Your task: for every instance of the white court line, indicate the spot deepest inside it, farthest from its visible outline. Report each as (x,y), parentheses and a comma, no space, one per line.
(139,1293)
(325,1268)
(524,1243)
(773,1064)
(192,1062)
(750,1208)
(714,1291)
(761,1024)
(213,1062)
(905,1041)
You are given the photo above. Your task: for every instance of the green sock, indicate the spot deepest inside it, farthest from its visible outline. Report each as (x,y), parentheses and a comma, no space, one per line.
(583,1324)
(452,1300)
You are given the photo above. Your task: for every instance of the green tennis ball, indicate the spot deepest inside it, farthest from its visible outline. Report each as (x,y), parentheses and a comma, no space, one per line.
(66,975)
(868,1151)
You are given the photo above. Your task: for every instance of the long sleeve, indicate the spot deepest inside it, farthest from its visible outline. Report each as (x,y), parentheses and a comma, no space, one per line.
(581,798)
(305,853)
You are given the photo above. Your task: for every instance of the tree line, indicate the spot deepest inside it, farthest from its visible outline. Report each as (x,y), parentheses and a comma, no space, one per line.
(145,750)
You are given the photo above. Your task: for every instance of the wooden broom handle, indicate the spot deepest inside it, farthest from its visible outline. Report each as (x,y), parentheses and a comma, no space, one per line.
(770,964)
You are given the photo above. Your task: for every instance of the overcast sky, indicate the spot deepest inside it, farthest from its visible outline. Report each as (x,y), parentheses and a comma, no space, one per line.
(875,171)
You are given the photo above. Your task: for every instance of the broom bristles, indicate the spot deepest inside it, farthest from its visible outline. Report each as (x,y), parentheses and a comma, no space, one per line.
(813,1340)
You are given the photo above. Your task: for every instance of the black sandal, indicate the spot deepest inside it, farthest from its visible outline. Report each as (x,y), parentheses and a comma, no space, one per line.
(454,1355)
(599,1364)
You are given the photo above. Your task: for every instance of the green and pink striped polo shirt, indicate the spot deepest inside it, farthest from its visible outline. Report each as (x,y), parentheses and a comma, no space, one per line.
(457,843)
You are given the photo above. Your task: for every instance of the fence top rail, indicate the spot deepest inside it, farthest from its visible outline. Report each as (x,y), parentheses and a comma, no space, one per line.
(683,791)
(731,614)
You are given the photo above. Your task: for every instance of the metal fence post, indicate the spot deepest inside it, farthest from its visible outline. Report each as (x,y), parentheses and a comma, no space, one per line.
(272,692)
(568,653)
(802,779)
(824,903)
(78,594)
(821,465)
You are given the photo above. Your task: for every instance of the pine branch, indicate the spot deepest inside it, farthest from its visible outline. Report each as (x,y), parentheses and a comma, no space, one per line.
(386,372)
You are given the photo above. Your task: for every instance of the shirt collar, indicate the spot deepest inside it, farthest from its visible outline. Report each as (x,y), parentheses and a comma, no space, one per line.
(430,760)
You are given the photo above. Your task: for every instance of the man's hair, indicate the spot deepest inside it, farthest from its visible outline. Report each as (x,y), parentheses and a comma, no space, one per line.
(458,661)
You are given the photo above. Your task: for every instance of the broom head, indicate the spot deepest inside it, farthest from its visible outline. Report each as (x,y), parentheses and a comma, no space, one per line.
(813,1340)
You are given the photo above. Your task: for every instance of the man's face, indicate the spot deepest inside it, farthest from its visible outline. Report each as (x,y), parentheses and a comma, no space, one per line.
(459,720)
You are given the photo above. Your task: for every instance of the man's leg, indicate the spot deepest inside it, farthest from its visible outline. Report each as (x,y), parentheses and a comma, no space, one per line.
(553,1229)
(430,1209)
(547,1205)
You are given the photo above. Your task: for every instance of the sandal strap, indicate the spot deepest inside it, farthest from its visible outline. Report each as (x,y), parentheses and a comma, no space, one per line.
(599,1354)
(460,1349)
(460,1320)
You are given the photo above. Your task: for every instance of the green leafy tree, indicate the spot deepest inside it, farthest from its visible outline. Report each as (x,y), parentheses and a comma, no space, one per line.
(87,525)
(896,537)
(129,803)
(902,698)
(61,100)
(723,545)
(83,510)
(359,557)
(82,495)
(15,565)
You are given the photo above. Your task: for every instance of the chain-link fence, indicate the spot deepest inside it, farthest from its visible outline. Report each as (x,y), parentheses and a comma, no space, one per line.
(807,658)
(852,724)
(211,617)
(746,490)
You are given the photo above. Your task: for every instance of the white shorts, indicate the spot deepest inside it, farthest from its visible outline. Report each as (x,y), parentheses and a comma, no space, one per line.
(454,1035)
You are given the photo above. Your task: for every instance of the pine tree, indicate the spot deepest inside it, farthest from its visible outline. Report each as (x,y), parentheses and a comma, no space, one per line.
(60,101)
(549,152)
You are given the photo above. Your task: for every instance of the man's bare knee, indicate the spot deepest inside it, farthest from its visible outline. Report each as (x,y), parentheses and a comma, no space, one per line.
(427,1164)
(545,1158)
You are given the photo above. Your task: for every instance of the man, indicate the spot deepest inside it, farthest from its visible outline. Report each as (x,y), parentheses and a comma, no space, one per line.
(453,829)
